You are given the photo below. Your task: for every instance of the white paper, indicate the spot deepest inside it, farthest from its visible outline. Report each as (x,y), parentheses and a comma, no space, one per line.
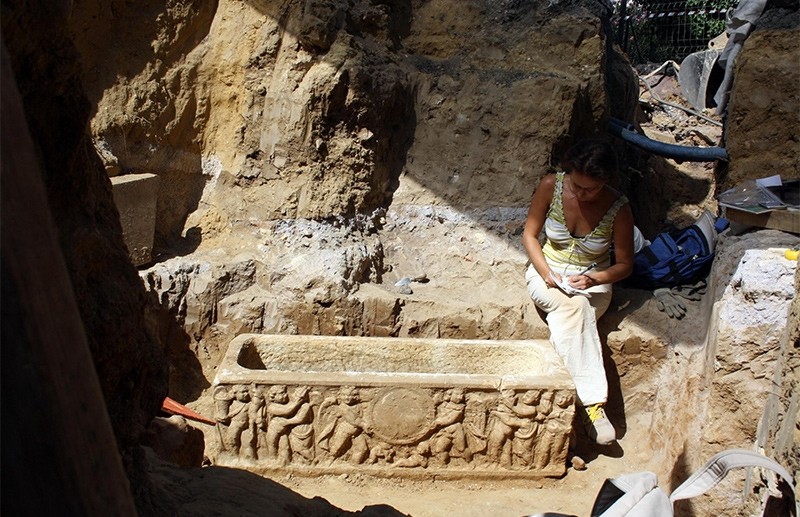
(568,289)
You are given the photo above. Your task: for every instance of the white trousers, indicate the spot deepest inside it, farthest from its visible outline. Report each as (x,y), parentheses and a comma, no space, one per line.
(573,332)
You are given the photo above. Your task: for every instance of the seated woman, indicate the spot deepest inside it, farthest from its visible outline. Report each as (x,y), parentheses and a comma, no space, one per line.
(581,215)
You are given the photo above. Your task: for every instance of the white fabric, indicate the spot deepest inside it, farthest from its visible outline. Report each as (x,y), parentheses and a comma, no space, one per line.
(639,242)
(573,332)
(643,497)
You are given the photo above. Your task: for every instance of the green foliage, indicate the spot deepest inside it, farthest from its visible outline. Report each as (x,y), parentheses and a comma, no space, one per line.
(659,30)
(708,26)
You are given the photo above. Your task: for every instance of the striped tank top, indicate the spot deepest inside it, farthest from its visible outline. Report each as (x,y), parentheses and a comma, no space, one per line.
(568,254)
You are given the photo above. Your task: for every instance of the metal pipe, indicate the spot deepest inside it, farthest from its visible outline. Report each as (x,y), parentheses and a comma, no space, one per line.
(680,153)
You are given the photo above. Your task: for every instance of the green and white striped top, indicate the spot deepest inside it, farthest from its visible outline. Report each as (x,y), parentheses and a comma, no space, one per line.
(567,254)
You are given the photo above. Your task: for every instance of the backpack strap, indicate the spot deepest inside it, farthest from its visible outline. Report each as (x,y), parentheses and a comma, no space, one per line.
(718,467)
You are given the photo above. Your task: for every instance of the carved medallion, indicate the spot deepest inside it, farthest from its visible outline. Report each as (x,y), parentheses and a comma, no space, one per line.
(401,416)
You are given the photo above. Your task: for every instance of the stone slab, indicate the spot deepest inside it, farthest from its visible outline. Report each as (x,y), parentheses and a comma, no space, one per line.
(384,406)
(135,196)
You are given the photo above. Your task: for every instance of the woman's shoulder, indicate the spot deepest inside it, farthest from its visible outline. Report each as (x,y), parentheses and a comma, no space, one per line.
(550,179)
(546,186)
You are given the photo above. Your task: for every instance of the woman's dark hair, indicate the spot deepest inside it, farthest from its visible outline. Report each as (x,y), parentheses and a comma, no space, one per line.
(595,158)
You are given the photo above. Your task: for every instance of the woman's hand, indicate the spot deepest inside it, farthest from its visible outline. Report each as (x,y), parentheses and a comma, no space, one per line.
(581,281)
(552,279)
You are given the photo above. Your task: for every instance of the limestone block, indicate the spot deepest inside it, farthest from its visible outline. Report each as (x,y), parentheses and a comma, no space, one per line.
(753,314)
(750,377)
(381,310)
(135,196)
(417,408)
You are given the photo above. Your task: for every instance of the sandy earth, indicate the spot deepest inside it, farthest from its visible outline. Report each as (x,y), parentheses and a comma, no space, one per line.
(216,490)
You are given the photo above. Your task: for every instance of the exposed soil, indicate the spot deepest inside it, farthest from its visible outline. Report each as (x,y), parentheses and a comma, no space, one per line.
(218,490)
(311,153)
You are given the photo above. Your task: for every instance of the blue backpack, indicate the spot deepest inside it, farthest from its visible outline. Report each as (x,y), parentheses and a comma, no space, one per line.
(673,258)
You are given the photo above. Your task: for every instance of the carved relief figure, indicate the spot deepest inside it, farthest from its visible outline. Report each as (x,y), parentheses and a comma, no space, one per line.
(343,426)
(232,410)
(476,420)
(282,415)
(417,458)
(554,442)
(256,412)
(503,422)
(526,434)
(380,451)
(301,437)
(451,439)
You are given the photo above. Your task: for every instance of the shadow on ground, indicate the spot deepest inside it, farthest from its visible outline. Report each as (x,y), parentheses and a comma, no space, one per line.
(222,491)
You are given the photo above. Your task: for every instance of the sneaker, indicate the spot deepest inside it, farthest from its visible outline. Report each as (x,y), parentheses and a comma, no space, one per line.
(598,426)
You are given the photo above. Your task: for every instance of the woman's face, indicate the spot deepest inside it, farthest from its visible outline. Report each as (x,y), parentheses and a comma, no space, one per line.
(585,187)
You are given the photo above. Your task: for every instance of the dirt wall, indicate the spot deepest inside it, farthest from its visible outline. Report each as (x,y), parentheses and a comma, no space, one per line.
(762,130)
(313,154)
(129,362)
(253,113)
(256,110)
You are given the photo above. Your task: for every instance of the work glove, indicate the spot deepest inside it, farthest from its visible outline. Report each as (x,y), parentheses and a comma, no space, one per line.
(667,302)
(691,292)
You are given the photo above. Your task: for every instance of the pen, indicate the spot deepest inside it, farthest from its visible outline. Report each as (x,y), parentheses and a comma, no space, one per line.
(591,266)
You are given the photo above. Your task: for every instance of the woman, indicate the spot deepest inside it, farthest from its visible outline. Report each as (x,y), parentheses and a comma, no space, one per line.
(581,215)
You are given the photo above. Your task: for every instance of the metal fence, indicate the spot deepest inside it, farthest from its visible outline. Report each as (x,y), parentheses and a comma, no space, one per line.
(654,31)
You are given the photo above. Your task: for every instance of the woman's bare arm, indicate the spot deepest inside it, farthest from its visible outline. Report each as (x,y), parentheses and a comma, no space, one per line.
(537,213)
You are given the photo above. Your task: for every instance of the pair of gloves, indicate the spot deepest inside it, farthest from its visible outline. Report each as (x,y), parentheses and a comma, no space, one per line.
(668,299)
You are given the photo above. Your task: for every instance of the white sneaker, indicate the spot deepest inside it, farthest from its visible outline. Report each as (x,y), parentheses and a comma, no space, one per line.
(598,426)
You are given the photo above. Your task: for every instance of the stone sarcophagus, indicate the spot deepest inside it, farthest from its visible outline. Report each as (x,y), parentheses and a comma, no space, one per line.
(407,407)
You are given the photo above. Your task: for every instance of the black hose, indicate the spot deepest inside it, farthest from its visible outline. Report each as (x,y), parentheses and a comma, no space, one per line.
(680,153)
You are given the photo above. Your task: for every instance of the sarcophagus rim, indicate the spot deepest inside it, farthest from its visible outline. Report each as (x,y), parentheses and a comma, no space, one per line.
(525,368)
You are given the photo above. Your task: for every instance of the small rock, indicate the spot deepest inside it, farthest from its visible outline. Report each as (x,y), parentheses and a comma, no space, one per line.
(405,289)
(578,463)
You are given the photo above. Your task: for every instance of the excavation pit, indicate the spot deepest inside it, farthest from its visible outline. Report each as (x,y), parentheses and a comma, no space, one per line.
(409,407)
